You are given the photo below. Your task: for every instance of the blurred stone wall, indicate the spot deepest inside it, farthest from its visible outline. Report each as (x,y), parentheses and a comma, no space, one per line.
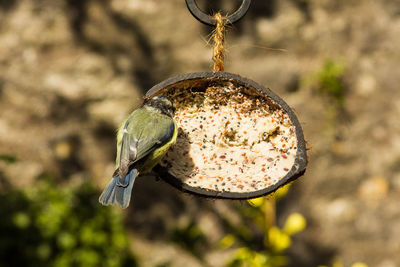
(71,70)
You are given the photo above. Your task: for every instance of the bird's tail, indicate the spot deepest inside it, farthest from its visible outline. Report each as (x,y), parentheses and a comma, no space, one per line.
(118,191)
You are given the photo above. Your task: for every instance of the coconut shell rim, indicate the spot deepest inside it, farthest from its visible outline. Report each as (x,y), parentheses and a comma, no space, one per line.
(298,167)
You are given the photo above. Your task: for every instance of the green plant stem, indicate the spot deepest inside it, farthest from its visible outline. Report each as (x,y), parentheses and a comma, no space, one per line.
(269,210)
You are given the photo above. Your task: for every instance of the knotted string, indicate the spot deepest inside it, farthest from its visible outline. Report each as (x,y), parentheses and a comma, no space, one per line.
(218,46)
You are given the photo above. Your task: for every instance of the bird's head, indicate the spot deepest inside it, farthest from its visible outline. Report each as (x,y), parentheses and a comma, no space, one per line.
(163,104)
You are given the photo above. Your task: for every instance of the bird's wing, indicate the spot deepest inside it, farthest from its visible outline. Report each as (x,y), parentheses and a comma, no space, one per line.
(128,151)
(161,131)
(142,134)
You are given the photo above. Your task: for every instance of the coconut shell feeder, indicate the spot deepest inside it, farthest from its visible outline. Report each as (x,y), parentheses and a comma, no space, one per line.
(236,138)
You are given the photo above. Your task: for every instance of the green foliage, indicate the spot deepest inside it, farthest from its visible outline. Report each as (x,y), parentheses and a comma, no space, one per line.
(267,251)
(191,238)
(330,81)
(49,226)
(247,257)
(8,158)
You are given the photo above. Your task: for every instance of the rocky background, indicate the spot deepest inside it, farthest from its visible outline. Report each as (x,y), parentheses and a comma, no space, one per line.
(71,70)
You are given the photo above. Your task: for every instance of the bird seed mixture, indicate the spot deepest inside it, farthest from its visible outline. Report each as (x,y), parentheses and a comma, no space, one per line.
(230,139)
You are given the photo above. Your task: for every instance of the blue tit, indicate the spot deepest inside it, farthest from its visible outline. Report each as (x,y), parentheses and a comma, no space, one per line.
(142,141)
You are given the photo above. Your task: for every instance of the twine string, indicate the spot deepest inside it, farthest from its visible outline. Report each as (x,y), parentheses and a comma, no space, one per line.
(218,43)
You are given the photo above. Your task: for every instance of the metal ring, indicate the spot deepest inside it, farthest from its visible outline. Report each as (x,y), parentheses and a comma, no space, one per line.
(209,20)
